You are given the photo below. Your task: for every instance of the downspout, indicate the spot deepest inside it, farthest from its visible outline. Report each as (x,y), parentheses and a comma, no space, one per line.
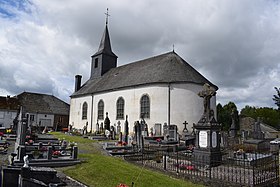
(168,104)
(91,113)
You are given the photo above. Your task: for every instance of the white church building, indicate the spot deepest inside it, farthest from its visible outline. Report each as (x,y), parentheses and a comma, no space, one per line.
(161,89)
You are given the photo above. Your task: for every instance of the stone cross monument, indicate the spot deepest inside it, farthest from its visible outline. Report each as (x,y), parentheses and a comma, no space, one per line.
(207,151)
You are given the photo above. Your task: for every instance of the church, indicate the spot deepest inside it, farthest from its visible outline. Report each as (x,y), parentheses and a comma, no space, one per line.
(160,89)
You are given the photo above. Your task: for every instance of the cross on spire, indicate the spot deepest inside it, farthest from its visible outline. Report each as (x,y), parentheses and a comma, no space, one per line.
(107,15)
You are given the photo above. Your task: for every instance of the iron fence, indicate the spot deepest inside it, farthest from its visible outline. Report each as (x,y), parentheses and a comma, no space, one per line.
(230,171)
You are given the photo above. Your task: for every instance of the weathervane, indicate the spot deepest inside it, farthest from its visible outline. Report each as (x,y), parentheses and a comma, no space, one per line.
(107,15)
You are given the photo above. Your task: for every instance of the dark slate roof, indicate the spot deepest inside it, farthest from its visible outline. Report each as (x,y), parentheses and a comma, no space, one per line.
(105,44)
(42,103)
(165,68)
(9,103)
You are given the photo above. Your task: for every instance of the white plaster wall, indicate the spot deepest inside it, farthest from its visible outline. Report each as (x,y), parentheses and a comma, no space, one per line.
(7,118)
(49,117)
(185,105)
(158,105)
(75,118)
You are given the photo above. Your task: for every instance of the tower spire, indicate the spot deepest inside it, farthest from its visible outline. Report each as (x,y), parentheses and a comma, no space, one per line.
(104,59)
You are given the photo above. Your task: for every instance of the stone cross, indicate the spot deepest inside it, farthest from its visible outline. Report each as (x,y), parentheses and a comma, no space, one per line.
(206,94)
(185,128)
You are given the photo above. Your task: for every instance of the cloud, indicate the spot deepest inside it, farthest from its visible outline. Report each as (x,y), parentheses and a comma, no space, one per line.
(235,44)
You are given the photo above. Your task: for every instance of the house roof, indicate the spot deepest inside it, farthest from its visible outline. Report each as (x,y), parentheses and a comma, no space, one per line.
(9,103)
(164,68)
(43,103)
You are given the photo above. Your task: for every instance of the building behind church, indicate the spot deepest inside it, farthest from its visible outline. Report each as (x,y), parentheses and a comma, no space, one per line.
(43,110)
(160,89)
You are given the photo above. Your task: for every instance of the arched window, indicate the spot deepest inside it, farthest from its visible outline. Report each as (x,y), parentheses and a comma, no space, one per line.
(84,110)
(120,108)
(100,111)
(145,106)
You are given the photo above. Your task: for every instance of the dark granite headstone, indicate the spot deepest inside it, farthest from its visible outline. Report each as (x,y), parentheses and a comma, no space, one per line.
(126,130)
(107,122)
(97,127)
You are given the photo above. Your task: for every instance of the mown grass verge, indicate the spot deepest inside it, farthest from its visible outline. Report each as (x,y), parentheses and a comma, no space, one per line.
(105,171)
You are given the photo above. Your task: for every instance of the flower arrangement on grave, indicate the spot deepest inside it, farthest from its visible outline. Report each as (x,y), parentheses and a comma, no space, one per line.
(8,131)
(122,185)
(122,143)
(158,140)
(184,166)
(56,154)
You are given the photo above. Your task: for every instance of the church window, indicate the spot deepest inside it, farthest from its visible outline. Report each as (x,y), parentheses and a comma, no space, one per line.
(145,106)
(120,108)
(100,110)
(96,63)
(84,110)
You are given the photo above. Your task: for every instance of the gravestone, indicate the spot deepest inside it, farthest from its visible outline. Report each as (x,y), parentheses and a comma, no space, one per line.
(107,122)
(185,131)
(119,129)
(101,128)
(257,132)
(207,151)
(233,127)
(97,127)
(138,134)
(126,129)
(113,132)
(157,129)
(165,129)
(173,133)
(120,137)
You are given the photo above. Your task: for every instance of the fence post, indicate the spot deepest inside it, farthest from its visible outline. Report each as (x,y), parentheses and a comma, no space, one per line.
(164,161)
(253,164)
(142,151)
(277,167)
(177,159)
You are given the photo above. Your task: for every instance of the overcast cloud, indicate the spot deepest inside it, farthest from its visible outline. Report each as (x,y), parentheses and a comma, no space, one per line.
(233,43)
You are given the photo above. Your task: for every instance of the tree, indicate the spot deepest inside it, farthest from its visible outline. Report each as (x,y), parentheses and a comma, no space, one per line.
(269,116)
(277,97)
(224,115)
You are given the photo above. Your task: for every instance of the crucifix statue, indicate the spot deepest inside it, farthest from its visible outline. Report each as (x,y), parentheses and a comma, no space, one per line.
(206,94)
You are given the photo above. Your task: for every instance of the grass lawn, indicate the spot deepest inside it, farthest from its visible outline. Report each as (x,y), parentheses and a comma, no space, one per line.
(101,170)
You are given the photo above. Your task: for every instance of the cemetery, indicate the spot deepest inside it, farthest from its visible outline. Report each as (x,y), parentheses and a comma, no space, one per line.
(203,154)
(34,156)
(199,154)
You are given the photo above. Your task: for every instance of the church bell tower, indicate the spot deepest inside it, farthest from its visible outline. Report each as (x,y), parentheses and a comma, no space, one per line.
(104,59)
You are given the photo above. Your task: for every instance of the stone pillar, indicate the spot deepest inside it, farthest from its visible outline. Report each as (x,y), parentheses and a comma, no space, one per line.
(75,152)
(21,152)
(49,155)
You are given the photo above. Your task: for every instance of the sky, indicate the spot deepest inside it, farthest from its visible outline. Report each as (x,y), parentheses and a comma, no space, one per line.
(234,43)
